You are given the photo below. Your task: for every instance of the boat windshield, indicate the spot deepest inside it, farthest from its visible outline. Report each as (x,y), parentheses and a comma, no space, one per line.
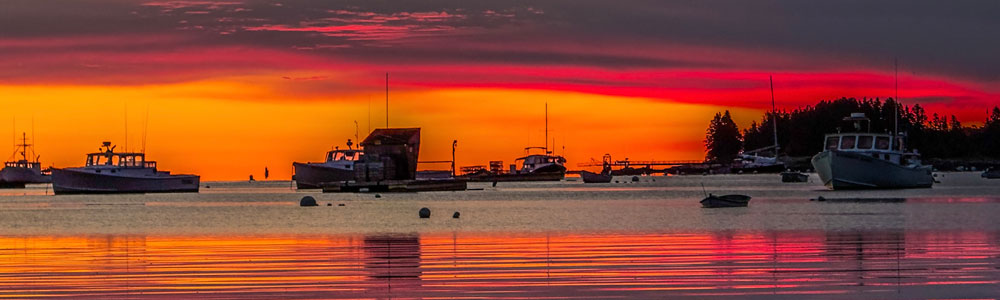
(124,160)
(21,164)
(343,155)
(864,142)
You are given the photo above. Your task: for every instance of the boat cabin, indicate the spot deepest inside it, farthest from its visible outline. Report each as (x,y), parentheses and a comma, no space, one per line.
(881,146)
(110,159)
(121,160)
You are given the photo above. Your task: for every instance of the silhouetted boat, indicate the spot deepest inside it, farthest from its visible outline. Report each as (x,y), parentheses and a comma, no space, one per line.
(109,172)
(338,166)
(17,173)
(794,177)
(713,201)
(991,173)
(752,161)
(591,177)
(869,161)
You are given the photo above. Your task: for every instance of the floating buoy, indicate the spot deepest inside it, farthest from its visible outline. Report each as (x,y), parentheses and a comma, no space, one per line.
(425,213)
(455,216)
(378,195)
(341,204)
(329,204)
(635,178)
(308,201)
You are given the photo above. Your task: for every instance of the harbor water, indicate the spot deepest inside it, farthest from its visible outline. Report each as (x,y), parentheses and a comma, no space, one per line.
(624,239)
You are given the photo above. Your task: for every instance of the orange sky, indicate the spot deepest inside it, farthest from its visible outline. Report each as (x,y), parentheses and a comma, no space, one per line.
(210,128)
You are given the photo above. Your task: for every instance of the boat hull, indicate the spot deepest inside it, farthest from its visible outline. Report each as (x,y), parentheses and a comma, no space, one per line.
(515,177)
(844,170)
(69,181)
(23,175)
(312,176)
(590,177)
(725,201)
(794,177)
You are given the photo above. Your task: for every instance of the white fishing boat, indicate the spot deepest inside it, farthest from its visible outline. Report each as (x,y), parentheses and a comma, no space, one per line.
(27,170)
(109,172)
(864,160)
(338,167)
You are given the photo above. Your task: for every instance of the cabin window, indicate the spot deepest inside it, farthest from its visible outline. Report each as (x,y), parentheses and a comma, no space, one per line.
(882,143)
(831,142)
(865,141)
(847,142)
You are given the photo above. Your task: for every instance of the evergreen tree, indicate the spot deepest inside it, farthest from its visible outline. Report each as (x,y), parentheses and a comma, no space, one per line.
(723,139)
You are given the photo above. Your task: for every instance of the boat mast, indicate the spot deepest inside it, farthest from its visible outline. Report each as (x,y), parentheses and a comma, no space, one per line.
(24,146)
(895,114)
(386,100)
(774,117)
(546,128)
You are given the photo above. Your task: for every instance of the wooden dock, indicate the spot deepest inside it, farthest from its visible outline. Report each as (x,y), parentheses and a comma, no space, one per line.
(396,186)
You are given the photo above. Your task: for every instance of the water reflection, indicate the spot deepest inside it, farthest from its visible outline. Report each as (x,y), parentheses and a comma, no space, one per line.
(879,264)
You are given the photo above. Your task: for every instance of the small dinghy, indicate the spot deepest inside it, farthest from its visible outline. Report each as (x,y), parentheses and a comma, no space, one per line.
(991,173)
(794,177)
(591,177)
(713,201)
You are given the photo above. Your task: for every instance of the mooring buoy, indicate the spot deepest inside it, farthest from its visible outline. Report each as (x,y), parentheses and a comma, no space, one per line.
(455,216)
(308,201)
(378,195)
(425,213)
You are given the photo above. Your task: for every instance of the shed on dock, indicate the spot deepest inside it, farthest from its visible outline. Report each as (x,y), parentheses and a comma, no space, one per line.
(390,154)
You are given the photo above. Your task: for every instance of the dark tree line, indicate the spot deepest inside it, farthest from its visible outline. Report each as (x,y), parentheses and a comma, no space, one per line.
(801,131)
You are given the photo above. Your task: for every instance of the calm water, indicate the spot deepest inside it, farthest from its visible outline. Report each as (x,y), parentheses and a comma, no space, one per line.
(649,239)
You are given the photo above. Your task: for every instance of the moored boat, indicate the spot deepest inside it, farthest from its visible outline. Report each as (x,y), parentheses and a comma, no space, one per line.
(109,172)
(864,160)
(27,170)
(794,177)
(338,166)
(991,173)
(591,177)
(713,201)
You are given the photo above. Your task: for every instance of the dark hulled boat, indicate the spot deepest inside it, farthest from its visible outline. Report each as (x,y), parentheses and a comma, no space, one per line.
(338,166)
(591,177)
(713,201)
(109,172)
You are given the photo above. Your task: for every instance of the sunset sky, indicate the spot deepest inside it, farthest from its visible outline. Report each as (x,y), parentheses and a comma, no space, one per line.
(230,87)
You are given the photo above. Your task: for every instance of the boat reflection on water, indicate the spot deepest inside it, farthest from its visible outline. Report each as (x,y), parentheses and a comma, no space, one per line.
(886,264)
(393,261)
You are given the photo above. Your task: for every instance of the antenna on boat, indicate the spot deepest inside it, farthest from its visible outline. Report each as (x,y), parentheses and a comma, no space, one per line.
(369,113)
(774,117)
(547,128)
(126,125)
(145,129)
(32,138)
(895,114)
(386,100)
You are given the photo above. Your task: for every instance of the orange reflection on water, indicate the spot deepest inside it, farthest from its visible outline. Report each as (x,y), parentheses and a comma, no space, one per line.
(527,265)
